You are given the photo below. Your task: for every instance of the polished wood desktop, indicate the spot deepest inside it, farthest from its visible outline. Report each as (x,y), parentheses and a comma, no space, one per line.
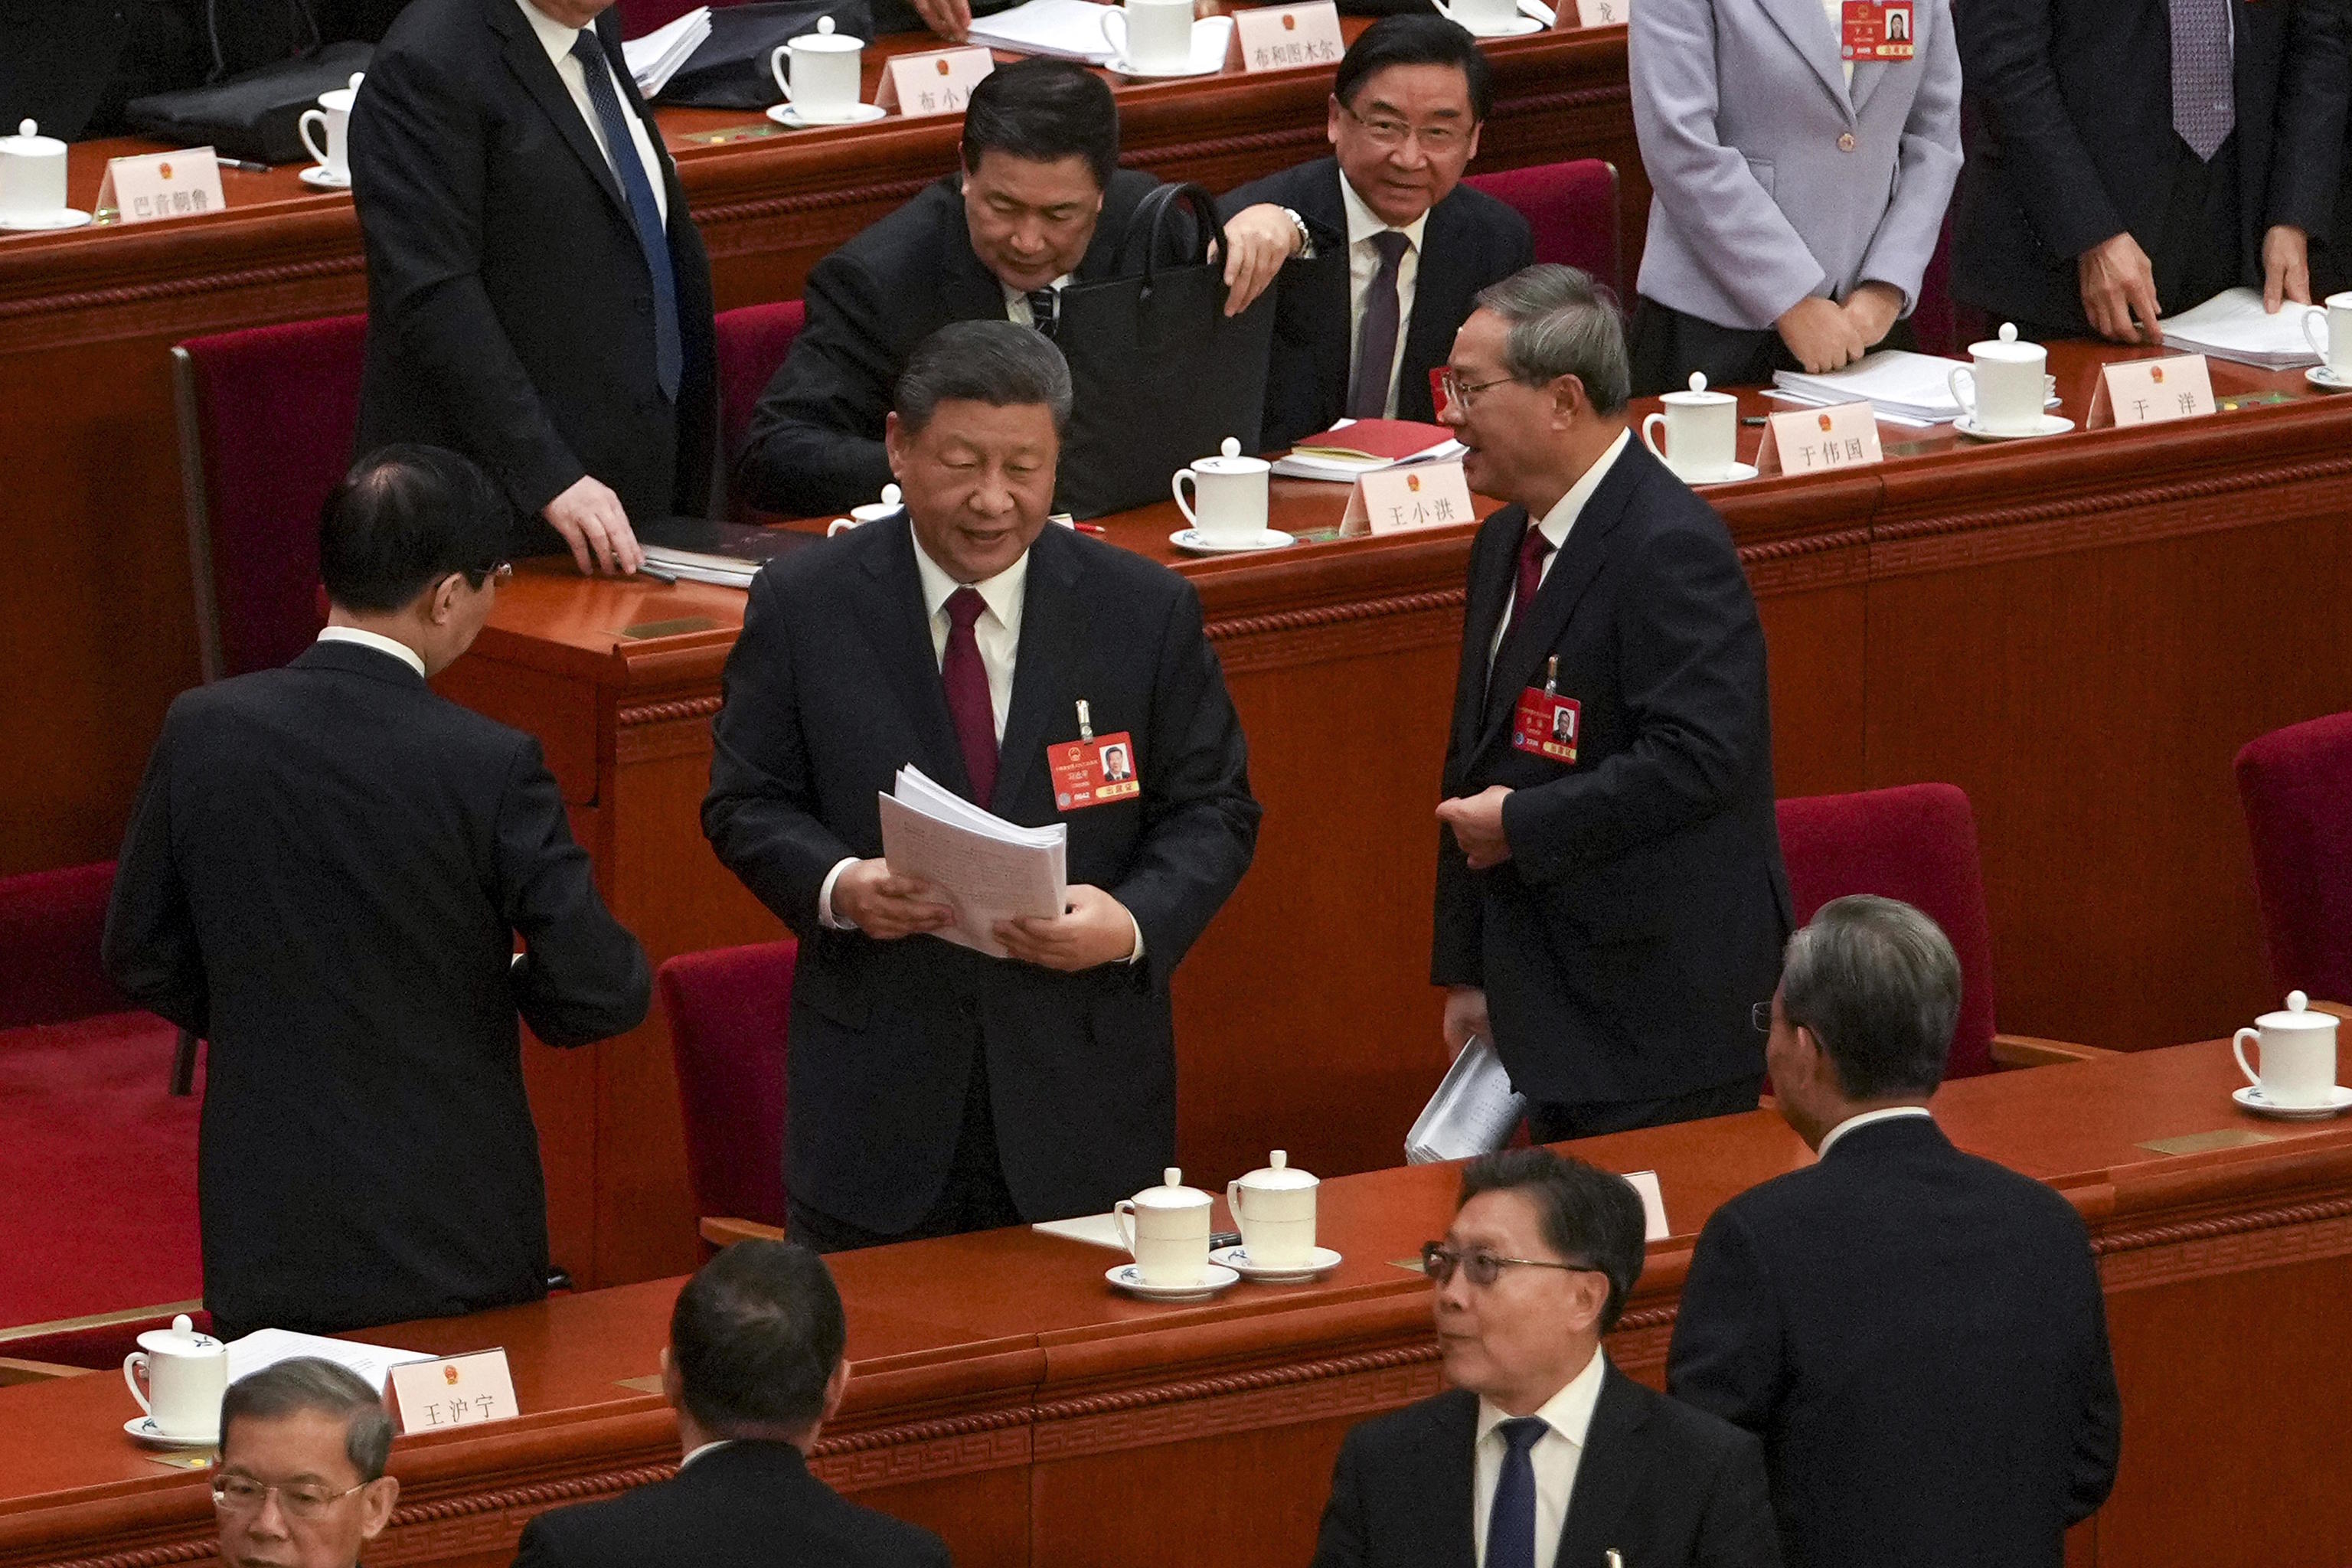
(1006,1396)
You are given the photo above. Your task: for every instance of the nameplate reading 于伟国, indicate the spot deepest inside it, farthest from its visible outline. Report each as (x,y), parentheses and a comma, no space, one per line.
(1284,37)
(938,83)
(1603,13)
(1815,440)
(1423,495)
(462,1391)
(2151,392)
(154,185)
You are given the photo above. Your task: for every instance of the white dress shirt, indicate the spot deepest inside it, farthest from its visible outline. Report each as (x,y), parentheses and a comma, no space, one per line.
(399,650)
(557,40)
(1892,1113)
(1364,265)
(1555,1457)
(1835,11)
(703,1448)
(1555,526)
(1017,311)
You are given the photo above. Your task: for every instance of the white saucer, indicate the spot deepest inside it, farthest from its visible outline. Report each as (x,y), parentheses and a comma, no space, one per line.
(2052,425)
(2321,376)
(1517,27)
(320,178)
(1129,1279)
(2339,1100)
(144,1429)
(1213,38)
(1121,66)
(1740,474)
(43,223)
(791,118)
(1191,539)
(1322,1261)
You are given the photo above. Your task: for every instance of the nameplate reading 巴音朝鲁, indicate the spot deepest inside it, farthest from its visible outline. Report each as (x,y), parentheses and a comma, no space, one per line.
(1418,495)
(1817,440)
(937,82)
(155,185)
(1284,37)
(2152,391)
(461,1391)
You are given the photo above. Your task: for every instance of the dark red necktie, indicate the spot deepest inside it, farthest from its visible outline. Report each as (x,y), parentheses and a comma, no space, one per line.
(1532,550)
(1368,395)
(968,705)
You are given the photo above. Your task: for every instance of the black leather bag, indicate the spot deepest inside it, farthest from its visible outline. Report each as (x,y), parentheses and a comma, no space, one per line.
(1159,374)
(729,70)
(253,114)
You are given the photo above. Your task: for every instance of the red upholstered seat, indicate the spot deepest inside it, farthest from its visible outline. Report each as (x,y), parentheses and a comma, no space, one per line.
(639,17)
(1573,207)
(50,923)
(726,1010)
(2297,784)
(266,418)
(752,341)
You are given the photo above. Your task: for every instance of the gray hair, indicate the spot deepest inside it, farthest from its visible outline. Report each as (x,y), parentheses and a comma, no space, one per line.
(310,1383)
(1001,363)
(1878,984)
(1562,323)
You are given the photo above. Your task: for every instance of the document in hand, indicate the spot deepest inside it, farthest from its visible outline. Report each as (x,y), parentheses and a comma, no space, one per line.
(1064,29)
(268,1347)
(986,868)
(2233,325)
(655,58)
(1903,388)
(1472,1113)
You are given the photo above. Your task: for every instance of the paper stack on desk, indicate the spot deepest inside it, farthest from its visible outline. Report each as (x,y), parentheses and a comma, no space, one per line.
(1064,29)
(1901,388)
(1472,1113)
(1374,444)
(655,58)
(986,868)
(2233,325)
(268,1347)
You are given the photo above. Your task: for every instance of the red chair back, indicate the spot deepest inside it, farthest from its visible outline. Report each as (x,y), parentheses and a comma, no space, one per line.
(1571,207)
(2297,784)
(1918,844)
(726,1010)
(752,341)
(51,927)
(266,418)
(639,17)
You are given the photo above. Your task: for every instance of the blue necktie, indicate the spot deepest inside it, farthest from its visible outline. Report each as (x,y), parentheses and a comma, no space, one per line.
(1511,1524)
(643,210)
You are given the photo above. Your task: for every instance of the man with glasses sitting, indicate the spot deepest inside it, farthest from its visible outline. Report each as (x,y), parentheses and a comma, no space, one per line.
(301,1482)
(1543,1455)
(1398,245)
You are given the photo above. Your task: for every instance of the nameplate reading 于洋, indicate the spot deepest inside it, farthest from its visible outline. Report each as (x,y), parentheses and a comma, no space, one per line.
(2152,391)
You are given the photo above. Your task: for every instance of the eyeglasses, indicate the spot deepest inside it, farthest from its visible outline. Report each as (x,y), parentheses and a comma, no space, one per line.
(501,570)
(1460,392)
(1760,1014)
(301,1501)
(1437,141)
(1483,1267)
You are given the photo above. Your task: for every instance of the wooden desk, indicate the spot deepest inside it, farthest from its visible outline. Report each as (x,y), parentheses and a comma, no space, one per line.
(1003,1395)
(97,603)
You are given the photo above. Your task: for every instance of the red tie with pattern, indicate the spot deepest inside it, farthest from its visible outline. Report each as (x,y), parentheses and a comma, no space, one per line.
(1532,550)
(966,679)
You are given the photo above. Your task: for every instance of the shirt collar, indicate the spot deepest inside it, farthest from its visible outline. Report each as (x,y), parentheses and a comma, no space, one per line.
(1564,512)
(399,650)
(1057,285)
(1363,222)
(553,35)
(701,1449)
(1891,1113)
(1568,1412)
(1003,592)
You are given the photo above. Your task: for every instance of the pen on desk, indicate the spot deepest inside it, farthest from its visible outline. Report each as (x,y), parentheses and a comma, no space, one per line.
(1755,419)
(1088,527)
(657,574)
(247,164)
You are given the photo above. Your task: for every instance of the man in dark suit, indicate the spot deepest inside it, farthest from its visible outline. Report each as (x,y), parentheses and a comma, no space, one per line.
(1918,1335)
(2130,157)
(325,877)
(754,1369)
(1543,1455)
(537,297)
(1040,202)
(933,1089)
(1399,244)
(1605,921)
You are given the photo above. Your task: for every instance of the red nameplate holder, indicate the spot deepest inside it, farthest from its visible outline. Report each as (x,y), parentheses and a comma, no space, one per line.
(1545,723)
(1093,770)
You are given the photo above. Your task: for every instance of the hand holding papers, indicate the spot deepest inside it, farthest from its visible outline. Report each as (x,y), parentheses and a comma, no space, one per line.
(654,58)
(984,868)
(1472,1113)
(2233,325)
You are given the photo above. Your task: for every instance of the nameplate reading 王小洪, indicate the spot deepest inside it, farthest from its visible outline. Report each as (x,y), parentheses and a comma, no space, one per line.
(1419,495)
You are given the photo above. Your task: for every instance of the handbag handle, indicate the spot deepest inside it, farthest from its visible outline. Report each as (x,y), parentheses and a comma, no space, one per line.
(1150,219)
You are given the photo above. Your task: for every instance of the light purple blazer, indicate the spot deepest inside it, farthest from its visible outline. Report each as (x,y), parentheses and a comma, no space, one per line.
(1773,180)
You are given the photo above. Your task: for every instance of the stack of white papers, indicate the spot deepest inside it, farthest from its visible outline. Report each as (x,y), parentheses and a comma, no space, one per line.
(2233,325)
(655,58)
(1902,388)
(1065,29)
(268,1347)
(987,870)
(1473,1111)
(1347,470)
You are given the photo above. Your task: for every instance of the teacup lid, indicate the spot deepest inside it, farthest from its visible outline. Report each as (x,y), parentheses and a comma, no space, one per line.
(1229,459)
(2298,1015)
(29,142)
(1172,1194)
(179,1339)
(893,495)
(1697,392)
(1278,1174)
(2006,346)
(825,37)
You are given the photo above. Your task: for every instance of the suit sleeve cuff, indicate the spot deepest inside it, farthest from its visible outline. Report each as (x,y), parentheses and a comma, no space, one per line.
(825,915)
(1137,956)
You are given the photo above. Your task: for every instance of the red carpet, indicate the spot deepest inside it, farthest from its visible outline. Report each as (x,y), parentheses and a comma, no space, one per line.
(99,1166)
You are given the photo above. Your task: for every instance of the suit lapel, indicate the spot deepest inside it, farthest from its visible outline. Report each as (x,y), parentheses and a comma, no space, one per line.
(970,292)
(1810,33)
(1449,1458)
(1579,561)
(1051,616)
(902,644)
(1326,288)
(1490,587)
(1438,297)
(537,73)
(1606,1474)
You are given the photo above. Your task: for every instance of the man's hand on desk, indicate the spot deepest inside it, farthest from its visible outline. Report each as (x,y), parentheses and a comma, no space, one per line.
(594,524)
(2118,283)
(2286,267)
(950,19)
(1478,823)
(1465,1018)
(1873,309)
(1820,334)
(1258,240)
(886,907)
(1093,928)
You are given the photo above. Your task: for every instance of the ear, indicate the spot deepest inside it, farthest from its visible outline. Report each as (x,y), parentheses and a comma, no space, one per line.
(377,1500)
(1332,121)
(1591,1300)
(836,1388)
(1475,127)
(1569,403)
(444,603)
(895,442)
(673,1387)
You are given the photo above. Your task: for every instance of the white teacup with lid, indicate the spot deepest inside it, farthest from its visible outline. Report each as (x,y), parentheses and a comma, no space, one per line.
(333,116)
(2333,341)
(185,1372)
(824,80)
(1229,491)
(32,173)
(2297,1053)
(2006,387)
(1702,431)
(1166,1229)
(893,501)
(1274,1207)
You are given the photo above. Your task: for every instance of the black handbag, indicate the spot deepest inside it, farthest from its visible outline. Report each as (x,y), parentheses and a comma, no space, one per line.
(730,69)
(253,114)
(1159,374)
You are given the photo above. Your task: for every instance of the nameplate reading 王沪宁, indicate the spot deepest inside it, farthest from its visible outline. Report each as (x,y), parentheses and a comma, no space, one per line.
(1418,495)
(1284,37)
(937,82)
(1817,440)
(2151,392)
(461,1391)
(154,185)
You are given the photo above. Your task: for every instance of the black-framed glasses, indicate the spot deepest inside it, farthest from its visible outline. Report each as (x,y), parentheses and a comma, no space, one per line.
(1437,141)
(1458,391)
(1483,1267)
(301,1501)
(500,570)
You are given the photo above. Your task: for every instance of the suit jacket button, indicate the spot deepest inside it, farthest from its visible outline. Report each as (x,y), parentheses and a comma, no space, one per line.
(1846,141)
(968,1008)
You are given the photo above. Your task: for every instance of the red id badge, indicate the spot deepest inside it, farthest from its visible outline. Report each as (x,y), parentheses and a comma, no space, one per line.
(1095,771)
(1545,725)
(1876,30)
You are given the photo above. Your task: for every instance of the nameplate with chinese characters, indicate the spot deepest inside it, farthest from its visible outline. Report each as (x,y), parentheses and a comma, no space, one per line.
(156,186)
(939,82)
(1603,13)
(462,1391)
(2151,392)
(1284,37)
(1816,440)
(1653,1205)
(1424,495)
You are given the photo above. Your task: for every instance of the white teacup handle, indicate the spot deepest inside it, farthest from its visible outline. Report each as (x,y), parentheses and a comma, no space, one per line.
(2319,345)
(1967,400)
(1118,45)
(839,525)
(1176,488)
(302,128)
(136,1361)
(2238,1050)
(1447,12)
(1653,423)
(1122,1212)
(1234,1200)
(776,69)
